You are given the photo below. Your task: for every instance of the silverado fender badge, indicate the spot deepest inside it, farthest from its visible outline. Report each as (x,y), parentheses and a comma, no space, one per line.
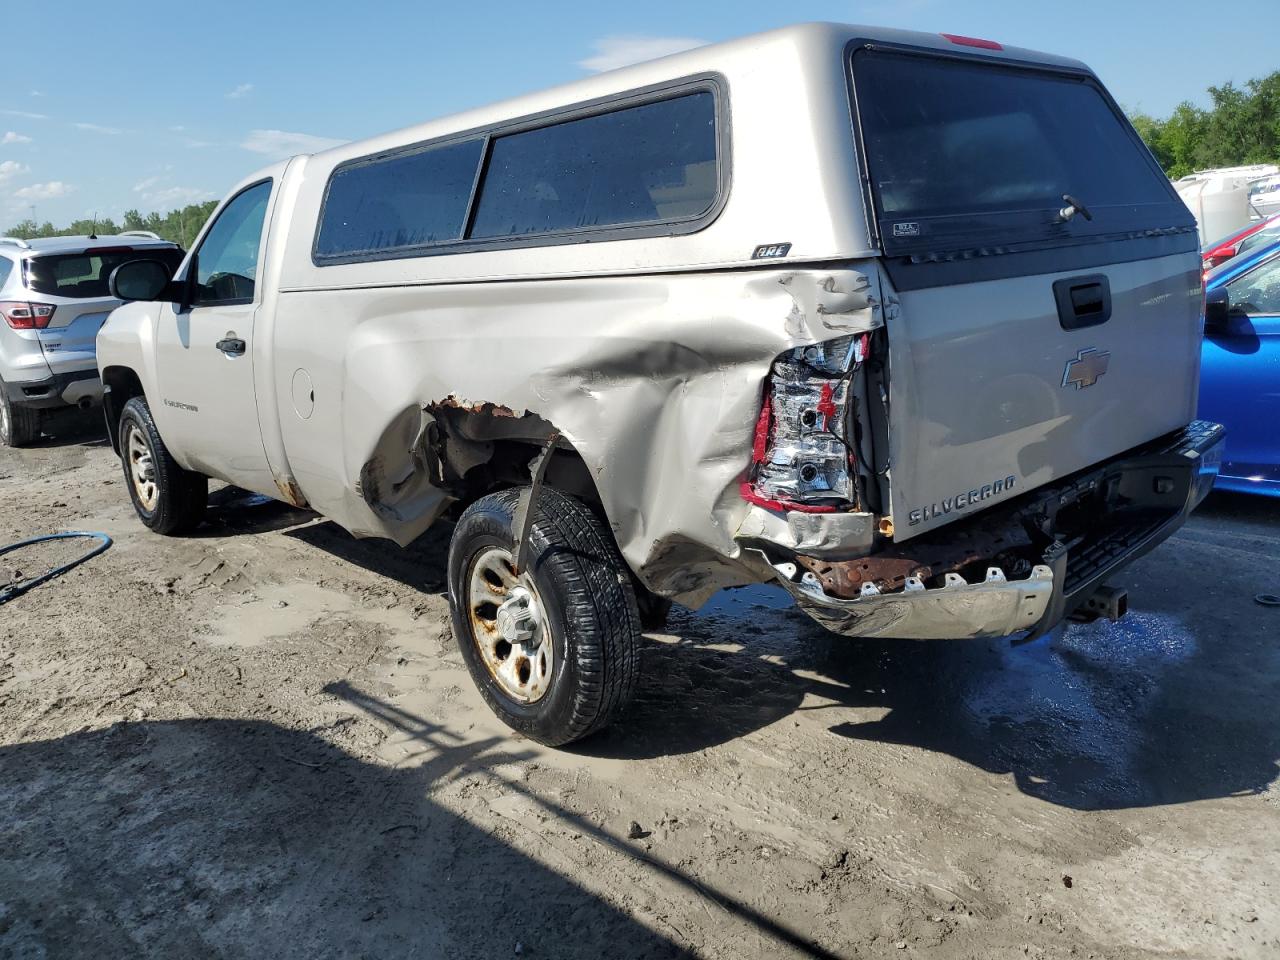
(1089,364)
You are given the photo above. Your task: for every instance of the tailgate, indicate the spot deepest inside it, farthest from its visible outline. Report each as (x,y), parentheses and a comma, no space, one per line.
(69,342)
(990,396)
(1046,273)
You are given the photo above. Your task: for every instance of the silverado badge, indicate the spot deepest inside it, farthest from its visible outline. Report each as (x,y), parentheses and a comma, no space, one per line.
(1089,364)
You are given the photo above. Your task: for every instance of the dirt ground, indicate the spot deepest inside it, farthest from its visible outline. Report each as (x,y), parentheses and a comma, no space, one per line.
(261,741)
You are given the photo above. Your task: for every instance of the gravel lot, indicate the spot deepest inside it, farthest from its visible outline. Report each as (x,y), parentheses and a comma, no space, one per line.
(261,742)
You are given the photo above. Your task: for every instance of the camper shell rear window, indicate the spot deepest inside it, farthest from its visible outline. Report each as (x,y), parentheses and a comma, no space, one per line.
(645,167)
(963,154)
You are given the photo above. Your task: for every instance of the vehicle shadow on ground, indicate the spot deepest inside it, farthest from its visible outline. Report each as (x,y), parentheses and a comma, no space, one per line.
(1249,508)
(71,427)
(228,838)
(1173,704)
(223,838)
(422,565)
(1096,716)
(233,511)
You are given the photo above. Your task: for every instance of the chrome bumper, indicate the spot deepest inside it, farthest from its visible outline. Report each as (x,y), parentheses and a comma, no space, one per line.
(998,607)
(995,607)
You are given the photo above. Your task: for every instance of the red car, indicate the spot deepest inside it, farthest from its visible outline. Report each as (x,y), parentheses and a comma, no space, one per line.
(1254,235)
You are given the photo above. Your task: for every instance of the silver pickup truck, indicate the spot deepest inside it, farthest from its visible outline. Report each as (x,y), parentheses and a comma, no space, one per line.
(909,324)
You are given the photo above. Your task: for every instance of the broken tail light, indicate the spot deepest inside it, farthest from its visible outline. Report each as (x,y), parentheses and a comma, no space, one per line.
(802,451)
(21,315)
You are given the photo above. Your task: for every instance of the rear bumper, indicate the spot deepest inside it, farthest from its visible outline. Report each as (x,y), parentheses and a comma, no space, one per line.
(1078,533)
(57,390)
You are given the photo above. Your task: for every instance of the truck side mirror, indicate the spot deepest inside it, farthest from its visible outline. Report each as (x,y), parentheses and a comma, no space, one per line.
(1217,308)
(141,280)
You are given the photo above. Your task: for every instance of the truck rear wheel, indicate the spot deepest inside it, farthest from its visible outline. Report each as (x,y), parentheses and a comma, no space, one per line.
(19,425)
(555,650)
(167,498)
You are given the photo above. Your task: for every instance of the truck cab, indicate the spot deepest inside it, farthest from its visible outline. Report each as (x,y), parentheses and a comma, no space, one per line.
(908,324)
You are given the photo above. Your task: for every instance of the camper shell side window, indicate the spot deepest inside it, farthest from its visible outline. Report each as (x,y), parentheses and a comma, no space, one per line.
(654,163)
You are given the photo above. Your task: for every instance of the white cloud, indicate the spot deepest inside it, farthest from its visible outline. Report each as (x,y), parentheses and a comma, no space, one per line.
(10,169)
(37,93)
(44,191)
(95,128)
(625,49)
(243,90)
(24,114)
(155,193)
(189,141)
(170,197)
(279,144)
(11,137)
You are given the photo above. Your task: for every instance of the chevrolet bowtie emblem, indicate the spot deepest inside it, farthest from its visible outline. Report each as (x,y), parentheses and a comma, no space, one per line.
(1086,368)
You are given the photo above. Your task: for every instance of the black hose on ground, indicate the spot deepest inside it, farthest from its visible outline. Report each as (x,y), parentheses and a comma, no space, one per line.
(7,593)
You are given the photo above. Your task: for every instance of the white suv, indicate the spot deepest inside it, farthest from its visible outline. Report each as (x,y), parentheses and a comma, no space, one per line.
(53,299)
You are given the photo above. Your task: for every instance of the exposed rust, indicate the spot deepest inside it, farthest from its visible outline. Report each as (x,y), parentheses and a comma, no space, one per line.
(844,578)
(484,407)
(456,436)
(925,559)
(290,492)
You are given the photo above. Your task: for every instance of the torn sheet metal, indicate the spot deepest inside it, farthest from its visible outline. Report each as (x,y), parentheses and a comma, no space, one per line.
(992,606)
(655,381)
(831,535)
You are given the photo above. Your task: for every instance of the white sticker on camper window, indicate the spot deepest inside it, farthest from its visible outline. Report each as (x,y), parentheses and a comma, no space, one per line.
(906,229)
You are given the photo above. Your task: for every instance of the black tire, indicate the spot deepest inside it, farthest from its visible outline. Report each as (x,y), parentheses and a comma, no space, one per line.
(587,602)
(19,424)
(178,501)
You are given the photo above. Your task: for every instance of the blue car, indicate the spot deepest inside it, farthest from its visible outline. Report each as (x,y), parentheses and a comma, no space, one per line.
(1240,378)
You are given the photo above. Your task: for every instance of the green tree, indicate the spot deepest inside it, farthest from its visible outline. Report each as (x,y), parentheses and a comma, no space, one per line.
(1241,127)
(181,226)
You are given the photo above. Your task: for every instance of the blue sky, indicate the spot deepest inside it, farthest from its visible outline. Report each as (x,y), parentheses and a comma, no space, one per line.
(107,106)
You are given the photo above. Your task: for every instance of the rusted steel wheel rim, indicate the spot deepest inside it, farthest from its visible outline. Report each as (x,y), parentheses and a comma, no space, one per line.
(509,626)
(142,467)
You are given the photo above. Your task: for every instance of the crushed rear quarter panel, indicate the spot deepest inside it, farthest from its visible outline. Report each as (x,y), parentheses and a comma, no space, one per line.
(655,381)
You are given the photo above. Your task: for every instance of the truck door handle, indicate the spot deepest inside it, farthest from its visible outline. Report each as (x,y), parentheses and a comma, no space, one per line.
(231,346)
(1083,301)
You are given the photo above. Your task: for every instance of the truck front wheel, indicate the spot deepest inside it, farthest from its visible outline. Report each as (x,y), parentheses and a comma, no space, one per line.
(554,649)
(167,498)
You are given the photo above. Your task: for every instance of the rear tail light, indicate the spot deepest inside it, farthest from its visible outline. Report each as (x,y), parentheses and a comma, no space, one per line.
(26,316)
(802,453)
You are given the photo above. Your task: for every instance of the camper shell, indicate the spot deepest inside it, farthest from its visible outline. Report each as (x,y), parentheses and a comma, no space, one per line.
(729,300)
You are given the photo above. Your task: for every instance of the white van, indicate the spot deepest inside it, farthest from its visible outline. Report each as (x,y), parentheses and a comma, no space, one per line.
(907,323)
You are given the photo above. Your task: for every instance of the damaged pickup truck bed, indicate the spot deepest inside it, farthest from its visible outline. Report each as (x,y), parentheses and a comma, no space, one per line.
(685,326)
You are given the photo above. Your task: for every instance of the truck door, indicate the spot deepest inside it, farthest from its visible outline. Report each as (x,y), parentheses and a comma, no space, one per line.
(204,352)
